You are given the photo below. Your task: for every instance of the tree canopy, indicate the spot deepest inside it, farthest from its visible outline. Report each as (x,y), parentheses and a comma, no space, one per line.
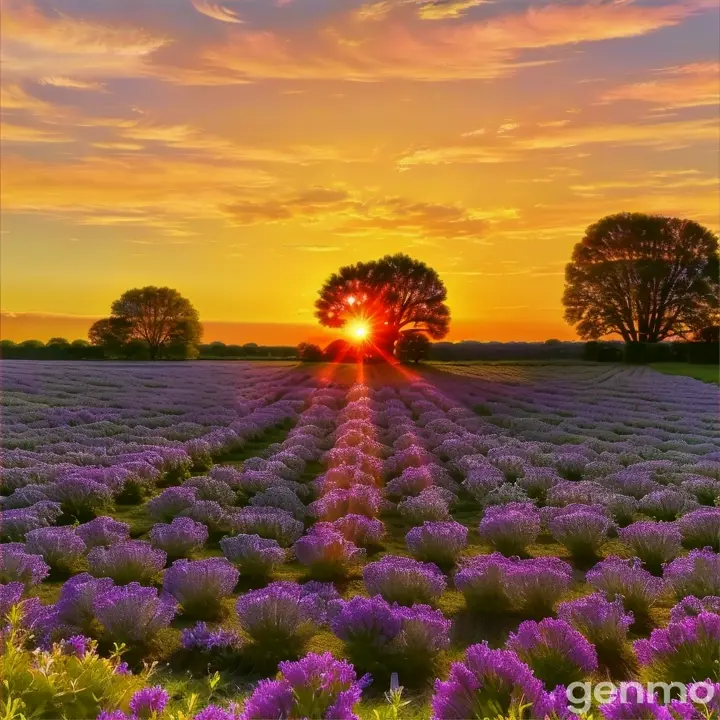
(391,295)
(157,318)
(643,277)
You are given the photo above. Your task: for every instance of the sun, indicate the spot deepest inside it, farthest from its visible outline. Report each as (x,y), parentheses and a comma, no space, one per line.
(358,330)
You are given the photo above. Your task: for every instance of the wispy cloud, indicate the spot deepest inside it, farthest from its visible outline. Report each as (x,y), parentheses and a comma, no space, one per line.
(216,11)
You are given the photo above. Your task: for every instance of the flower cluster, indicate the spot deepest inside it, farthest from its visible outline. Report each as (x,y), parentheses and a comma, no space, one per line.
(404,580)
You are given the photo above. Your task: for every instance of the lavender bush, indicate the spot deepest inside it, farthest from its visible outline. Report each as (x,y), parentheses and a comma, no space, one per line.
(697,573)
(180,538)
(582,533)
(18,566)
(437,542)
(510,528)
(404,580)
(271,523)
(103,530)
(254,555)
(655,543)
(200,586)
(60,547)
(701,528)
(628,580)
(129,561)
(327,554)
(362,531)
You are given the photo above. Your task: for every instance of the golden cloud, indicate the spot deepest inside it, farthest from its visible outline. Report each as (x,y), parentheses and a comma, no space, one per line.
(216,12)
(694,85)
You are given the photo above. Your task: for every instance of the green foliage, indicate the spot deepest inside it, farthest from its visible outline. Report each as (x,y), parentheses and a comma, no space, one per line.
(153,320)
(308,352)
(57,684)
(412,347)
(391,294)
(643,277)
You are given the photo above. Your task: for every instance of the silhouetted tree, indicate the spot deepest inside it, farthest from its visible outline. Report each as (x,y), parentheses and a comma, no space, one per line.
(392,294)
(644,277)
(412,347)
(159,319)
(710,334)
(58,342)
(307,352)
(341,351)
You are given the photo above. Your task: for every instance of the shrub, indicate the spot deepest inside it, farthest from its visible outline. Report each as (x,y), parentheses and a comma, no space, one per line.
(269,523)
(327,554)
(697,573)
(667,504)
(701,528)
(126,562)
(68,679)
(317,686)
(358,500)
(81,497)
(209,513)
(437,542)
(404,580)
(691,606)
(60,547)
(605,624)
(200,586)
(180,538)
(557,653)
(494,583)
(209,489)
(171,502)
(254,555)
(202,638)
(628,580)
(133,614)
(358,529)
(655,543)
(582,533)
(510,528)
(74,608)
(18,566)
(489,684)
(682,652)
(15,524)
(103,530)
(430,505)
(274,615)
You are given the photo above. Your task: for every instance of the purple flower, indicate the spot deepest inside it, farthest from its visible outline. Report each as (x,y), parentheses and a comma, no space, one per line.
(213,712)
(326,553)
(132,613)
(267,522)
(510,528)
(581,532)
(557,653)
(692,606)
(488,684)
(202,638)
(200,586)
(430,504)
(18,566)
(125,562)
(254,555)
(667,504)
(635,703)
(14,524)
(171,502)
(77,645)
(75,604)
(358,500)
(10,595)
(655,543)
(604,623)
(404,580)
(60,547)
(437,542)
(683,651)
(210,513)
(317,686)
(701,528)
(697,573)
(80,497)
(494,583)
(358,529)
(367,625)
(148,701)
(626,579)
(276,613)
(181,537)
(103,531)
(113,715)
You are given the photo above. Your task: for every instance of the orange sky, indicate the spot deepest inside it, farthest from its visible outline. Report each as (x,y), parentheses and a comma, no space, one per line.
(241,150)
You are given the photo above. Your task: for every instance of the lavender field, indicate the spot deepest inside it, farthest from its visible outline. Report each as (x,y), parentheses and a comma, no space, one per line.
(271,541)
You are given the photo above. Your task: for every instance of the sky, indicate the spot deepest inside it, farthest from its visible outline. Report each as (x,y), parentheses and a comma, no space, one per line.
(241,151)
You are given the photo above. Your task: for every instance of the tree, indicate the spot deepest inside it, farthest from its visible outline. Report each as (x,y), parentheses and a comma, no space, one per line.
(58,342)
(709,334)
(413,347)
(307,352)
(392,294)
(644,277)
(159,319)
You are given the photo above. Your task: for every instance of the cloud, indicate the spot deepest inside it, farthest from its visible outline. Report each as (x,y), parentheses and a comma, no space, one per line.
(514,147)
(10,133)
(444,9)
(72,83)
(215,11)
(397,45)
(316,248)
(36,45)
(15,97)
(684,86)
